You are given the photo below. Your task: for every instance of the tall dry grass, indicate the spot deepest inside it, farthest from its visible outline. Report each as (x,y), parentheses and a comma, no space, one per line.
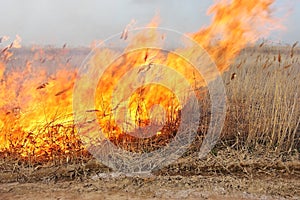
(263,91)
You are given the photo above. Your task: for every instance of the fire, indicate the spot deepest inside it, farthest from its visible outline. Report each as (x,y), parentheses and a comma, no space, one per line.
(35,110)
(36,116)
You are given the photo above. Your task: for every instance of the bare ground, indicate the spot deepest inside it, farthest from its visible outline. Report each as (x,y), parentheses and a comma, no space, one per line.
(187,179)
(118,186)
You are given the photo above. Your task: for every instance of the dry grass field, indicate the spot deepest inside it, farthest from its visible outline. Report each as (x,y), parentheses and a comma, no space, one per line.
(257,156)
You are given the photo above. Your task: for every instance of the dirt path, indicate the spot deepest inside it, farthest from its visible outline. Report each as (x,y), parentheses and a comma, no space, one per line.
(116,186)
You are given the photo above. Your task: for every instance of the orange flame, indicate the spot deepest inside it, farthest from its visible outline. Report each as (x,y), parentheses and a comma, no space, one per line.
(36,109)
(235,23)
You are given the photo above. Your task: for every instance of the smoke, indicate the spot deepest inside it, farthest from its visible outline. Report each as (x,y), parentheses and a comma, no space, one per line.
(79,22)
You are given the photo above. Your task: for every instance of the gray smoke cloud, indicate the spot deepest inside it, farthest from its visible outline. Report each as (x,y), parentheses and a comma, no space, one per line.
(79,22)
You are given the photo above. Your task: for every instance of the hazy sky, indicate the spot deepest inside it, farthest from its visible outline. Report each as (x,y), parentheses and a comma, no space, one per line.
(79,22)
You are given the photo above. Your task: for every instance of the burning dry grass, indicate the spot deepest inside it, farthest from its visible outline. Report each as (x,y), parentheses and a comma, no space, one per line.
(36,114)
(261,132)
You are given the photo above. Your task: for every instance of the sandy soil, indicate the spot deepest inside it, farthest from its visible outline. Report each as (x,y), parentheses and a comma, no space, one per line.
(120,186)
